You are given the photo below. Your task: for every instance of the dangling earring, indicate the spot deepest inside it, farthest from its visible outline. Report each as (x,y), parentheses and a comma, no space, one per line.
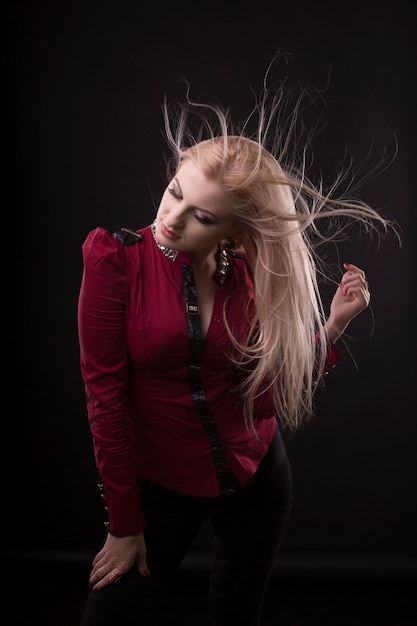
(229,245)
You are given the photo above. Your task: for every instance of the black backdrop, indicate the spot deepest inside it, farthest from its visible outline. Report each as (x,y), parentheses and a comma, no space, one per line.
(87,150)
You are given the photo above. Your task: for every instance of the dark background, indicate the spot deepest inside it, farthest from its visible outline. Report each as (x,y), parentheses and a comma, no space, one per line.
(88,79)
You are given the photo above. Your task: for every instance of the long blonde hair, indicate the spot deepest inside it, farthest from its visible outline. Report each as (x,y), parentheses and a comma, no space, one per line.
(277,209)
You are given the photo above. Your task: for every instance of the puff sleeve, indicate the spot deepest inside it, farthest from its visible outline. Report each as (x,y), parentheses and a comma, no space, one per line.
(103,360)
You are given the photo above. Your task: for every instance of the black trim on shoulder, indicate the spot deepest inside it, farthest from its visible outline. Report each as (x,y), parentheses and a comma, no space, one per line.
(128,237)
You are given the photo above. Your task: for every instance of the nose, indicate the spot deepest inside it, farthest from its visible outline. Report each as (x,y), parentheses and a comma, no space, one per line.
(175,218)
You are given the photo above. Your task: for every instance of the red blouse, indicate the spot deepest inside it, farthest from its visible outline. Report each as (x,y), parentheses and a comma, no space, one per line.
(160,398)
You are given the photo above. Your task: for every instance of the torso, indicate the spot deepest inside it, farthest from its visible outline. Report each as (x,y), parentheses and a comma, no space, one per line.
(167,376)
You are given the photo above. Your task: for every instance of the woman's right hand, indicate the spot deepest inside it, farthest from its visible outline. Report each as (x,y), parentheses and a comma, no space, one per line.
(116,558)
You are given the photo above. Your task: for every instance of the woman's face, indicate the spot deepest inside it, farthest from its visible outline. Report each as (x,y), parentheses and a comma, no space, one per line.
(194,214)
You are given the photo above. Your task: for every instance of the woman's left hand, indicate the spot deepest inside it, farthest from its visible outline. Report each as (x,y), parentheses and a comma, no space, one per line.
(351,298)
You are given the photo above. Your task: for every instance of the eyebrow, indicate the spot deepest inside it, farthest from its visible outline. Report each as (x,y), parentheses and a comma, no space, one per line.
(214,217)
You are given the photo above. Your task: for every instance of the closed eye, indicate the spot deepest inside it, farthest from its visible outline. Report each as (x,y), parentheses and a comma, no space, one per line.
(202,219)
(174,194)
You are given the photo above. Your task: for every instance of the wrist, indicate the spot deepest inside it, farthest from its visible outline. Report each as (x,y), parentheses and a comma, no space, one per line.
(334,329)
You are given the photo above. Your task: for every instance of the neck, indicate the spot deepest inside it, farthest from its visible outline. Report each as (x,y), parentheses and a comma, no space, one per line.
(204,260)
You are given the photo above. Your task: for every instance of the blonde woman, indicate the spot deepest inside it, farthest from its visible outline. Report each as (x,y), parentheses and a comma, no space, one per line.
(203,336)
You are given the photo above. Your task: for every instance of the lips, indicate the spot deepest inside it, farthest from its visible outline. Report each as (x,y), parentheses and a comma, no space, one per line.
(167,233)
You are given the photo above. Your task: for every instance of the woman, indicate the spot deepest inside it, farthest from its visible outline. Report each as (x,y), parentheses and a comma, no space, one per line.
(202,336)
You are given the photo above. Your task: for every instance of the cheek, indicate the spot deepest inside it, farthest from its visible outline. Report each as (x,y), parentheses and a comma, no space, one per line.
(208,238)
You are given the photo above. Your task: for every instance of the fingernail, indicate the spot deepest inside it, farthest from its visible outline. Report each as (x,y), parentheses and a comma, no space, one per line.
(146,572)
(94,590)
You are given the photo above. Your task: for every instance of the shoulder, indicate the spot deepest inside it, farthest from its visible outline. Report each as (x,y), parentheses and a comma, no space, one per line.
(106,241)
(103,246)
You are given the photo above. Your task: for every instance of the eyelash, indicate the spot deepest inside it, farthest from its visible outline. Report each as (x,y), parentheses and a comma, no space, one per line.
(174,193)
(203,220)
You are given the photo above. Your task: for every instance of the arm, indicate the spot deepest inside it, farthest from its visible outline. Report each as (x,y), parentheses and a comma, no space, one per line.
(103,360)
(351,298)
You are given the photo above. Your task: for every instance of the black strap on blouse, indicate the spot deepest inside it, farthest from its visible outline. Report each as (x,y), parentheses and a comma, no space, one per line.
(195,343)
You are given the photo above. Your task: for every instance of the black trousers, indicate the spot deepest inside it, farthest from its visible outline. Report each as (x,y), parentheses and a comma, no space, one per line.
(248,527)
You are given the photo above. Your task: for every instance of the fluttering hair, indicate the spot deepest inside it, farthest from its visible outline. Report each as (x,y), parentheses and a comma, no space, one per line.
(281,216)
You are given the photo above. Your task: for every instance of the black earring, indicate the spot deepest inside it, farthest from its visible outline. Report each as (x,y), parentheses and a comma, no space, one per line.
(229,245)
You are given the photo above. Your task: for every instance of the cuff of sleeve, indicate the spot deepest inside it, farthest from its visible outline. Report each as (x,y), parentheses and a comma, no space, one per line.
(334,356)
(124,514)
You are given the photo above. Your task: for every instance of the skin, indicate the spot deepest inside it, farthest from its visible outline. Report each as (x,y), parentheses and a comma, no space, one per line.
(193,217)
